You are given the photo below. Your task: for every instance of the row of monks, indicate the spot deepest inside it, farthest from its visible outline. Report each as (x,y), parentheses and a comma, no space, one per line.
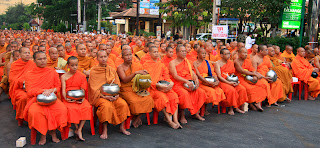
(30,60)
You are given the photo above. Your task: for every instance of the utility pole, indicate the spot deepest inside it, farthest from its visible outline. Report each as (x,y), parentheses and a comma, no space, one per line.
(99,17)
(137,19)
(214,12)
(314,22)
(302,21)
(79,14)
(84,24)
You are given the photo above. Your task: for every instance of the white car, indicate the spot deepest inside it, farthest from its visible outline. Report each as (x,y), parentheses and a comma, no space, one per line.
(205,37)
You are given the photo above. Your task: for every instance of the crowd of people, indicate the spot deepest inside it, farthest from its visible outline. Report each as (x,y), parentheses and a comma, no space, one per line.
(30,60)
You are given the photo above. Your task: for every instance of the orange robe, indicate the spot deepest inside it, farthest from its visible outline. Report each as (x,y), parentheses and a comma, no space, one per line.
(18,95)
(165,60)
(113,57)
(236,96)
(192,100)
(112,112)
(141,54)
(284,74)
(76,111)
(3,48)
(72,53)
(302,69)
(256,92)
(211,57)
(287,56)
(137,49)
(191,57)
(4,84)
(116,49)
(137,104)
(44,117)
(85,63)
(275,89)
(215,94)
(158,71)
(145,58)
(53,64)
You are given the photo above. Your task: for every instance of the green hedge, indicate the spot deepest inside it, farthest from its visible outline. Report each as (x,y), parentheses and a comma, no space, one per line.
(282,42)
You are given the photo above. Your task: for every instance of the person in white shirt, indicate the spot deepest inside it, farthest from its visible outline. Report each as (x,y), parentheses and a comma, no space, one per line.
(249,41)
(168,34)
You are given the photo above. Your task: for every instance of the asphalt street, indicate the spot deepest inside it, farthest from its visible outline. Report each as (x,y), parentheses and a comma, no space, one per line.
(296,124)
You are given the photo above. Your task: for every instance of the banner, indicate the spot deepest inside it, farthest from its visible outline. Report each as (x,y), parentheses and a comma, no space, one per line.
(291,16)
(149,7)
(220,32)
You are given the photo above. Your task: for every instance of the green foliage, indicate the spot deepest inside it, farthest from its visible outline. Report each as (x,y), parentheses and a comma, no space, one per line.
(107,25)
(45,25)
(146,34)
(4,27)
(61,27)
(26,26)
(15,16)
(282,42)
(129,33)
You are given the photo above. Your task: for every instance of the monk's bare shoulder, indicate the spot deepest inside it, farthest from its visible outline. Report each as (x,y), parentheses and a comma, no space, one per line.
(196,64)
(173,62)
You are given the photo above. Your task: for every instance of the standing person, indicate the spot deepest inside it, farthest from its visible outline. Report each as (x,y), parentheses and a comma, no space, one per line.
(168,34)
(176,36)
(249,41)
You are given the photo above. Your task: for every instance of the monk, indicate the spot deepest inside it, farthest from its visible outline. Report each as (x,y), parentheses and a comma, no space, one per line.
(44,118)
(190,56)
(263,64)
(181,72)
(162,51)
(165,99)
(277,53)
(204,69)
(85,63)
(209,47)
(93,53)
(119,59)
(18,70)
(127,71)
(4,84)
(147,57)
(69,50)
(288,54)
(42,48)
(111,56)
(55,61)
(256,92)
(78,111)
(3,45)
(302,69)
(145,51)
(168,57)
(283,74)
(236,94)
(107,49)
(62,52)
(254,50)
(138,47)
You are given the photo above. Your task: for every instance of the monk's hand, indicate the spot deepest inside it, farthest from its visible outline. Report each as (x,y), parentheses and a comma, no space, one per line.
(315,69)
(255,78)
(268,79)
(234,84)
(259,76)
(114,98)
(190,84)
(142,72)
(47,92)
(57,68)
(110,98)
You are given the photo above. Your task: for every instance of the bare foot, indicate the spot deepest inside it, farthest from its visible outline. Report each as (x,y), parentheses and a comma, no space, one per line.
(79,135)
(178,124)
(183,120)
(311,98)
(252,107)
(258,106)
(104,136)
(197,116)
(206,113)
(137,122)
(230,112)
(55,139)
(239,110)
(124,131)
(171,124)
(267,105)
(43,140)
(276,104)
(288,100)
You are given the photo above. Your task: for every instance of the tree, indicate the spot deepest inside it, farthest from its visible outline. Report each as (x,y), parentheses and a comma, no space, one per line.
(15,16)
(187,13)
(26,26)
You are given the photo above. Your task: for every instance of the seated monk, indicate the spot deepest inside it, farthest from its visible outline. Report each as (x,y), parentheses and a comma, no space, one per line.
(62,52)
(69,50)
(18,70)
(144,52)
(190,56)
(119,59)
(162,50)
(127,72)
(302,69)
(165,99)
(78,111)
(138,47)
(277,53)
(93,53)
(111,56)
(44,118)
(256,92)
(204,69)
(209,47)
(4,84)
(54,61)
(107,50)
(168,57)
(85,63)
(263,64)
(283,74)
(254,50)
(236,94)
(288,54)
(181,72)
(3,45)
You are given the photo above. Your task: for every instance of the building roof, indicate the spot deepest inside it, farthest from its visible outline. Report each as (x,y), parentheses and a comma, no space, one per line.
(131,12)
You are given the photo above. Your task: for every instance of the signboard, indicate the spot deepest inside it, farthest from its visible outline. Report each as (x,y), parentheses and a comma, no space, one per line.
(159,32)
(220,32)
(291,16)
(149,7)
(120,21)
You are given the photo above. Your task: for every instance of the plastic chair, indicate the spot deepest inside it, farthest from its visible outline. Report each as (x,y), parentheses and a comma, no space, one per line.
(127,122)
(64,135)
(295,89)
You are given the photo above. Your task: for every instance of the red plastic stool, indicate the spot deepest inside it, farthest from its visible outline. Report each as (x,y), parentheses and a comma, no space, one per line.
(127,122)
(305,91)
(295,89)
(155,117)
(20,122)
(64,135)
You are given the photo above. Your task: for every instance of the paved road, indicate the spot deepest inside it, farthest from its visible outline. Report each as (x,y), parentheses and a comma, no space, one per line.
(294,125)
